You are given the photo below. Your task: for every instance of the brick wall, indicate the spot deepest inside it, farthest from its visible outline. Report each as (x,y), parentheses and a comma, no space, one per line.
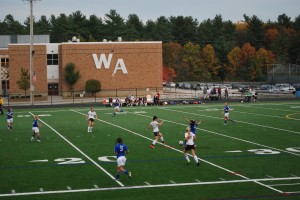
(18,58)
(143,62)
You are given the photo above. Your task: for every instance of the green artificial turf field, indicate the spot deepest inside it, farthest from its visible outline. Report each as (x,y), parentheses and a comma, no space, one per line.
(256,157)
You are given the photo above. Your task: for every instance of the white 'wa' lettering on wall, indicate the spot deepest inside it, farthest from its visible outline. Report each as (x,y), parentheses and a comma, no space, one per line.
(106,61)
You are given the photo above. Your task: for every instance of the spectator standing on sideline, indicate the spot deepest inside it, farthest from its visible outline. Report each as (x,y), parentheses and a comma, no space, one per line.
(1,105)
(226,93)
(219,92)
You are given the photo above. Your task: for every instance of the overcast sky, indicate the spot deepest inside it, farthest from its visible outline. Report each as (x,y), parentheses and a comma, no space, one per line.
(152,9)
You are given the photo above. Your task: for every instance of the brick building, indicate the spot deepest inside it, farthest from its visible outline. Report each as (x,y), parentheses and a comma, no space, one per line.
(117,65)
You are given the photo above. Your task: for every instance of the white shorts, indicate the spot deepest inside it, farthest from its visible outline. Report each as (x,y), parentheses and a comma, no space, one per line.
(10,120)
(121,161)
(35,129)
(117,108)
(226,114)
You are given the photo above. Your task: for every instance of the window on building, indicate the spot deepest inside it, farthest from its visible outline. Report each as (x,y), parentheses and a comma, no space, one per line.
(4,62)
(52,59)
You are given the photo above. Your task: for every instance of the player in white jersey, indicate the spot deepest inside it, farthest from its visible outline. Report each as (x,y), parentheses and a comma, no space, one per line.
(91,116)
(156,132)
(190,145)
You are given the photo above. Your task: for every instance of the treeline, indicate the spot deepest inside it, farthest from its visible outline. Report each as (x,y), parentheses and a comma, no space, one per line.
(213,49)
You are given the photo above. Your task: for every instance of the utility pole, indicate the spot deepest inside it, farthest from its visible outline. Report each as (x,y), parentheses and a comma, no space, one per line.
(31,53)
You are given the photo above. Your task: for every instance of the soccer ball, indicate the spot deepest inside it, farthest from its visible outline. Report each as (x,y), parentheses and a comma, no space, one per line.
(181,142)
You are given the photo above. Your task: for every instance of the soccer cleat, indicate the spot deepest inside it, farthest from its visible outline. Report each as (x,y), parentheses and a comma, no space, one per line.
(188,163)
(129,175)
(38,140)
(32,139)
(117,179)
(152,147)
(198,163)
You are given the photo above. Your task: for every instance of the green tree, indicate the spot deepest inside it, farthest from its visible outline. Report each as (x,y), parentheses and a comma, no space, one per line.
(134,28)
(71,75)
(91,38)
(78,25)
(24,81)
(12,26)
(42,26)
(60,29)
(193,68)
(284,20)
(296,23)
(294,49)
(255,31)
(93,86)
(205,32)
(162,30)
(149,30)
(183,29)
(96,27)
(114,25)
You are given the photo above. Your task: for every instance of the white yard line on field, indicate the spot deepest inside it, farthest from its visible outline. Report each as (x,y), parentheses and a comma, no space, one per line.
(269,127)
(90,159)
(180,151)
(242,140)
(249,106)
(272,116)
(149,186)
(285,184)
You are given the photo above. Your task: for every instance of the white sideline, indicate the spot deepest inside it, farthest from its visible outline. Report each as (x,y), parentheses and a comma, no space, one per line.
(151,186)
(210,163)
(94,162)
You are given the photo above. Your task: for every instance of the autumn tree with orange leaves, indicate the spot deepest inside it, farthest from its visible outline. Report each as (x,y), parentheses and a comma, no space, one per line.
(248,64)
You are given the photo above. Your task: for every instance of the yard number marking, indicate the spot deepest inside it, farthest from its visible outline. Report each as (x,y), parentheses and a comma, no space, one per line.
(68,161)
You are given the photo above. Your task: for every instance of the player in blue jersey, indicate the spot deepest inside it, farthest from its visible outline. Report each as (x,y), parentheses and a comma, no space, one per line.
(117,107)
(226,113)
(9,119)
(35,129)
(121,151)
(193,124)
